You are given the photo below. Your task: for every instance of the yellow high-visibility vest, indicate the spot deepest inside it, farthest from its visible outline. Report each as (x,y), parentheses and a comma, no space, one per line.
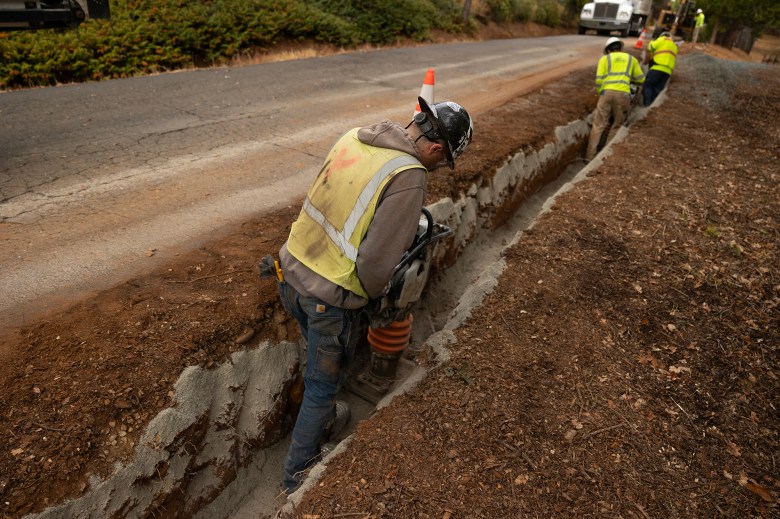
(340,205)
(664,54)
(616,71)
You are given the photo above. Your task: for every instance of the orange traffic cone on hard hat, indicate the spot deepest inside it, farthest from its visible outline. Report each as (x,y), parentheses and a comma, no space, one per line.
(641,41)
(426,92)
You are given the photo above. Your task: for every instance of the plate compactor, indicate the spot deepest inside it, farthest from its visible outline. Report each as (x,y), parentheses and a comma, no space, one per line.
(390,317)
(389,320)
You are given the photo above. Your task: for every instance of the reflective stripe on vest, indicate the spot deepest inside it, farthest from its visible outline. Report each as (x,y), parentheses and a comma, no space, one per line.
(341,238)
(340,206)
(664,52)
(619,80)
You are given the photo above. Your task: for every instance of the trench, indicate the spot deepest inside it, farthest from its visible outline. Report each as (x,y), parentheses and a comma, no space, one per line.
(218,451)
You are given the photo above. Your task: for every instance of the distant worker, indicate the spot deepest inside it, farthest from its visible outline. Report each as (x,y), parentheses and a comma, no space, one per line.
(358,219)
(698,23)
(663,56)
(615,73)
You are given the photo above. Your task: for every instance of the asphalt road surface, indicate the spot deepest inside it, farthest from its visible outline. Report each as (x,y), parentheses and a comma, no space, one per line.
(101,182)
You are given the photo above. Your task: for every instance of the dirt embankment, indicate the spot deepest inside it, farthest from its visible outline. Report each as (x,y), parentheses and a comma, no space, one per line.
(110,362)
(625,365)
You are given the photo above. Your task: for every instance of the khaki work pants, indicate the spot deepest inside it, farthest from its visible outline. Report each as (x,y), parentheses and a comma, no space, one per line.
(612,104)
(695,37)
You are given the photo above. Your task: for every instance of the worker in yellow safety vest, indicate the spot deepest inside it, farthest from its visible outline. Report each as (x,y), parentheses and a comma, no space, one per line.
(359,217)
(615,73)
(698,23)
(662,53)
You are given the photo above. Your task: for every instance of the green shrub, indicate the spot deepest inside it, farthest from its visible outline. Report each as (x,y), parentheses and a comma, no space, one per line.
(146,36)
(524,10)
(510,10)
(500,10)
(548,12)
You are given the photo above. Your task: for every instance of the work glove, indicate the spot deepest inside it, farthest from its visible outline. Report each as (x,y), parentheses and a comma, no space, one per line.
(267,267)
(373,307)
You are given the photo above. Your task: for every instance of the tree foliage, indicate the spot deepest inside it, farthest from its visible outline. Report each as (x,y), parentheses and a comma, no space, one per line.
(145,36)
(737,14)
(548,12)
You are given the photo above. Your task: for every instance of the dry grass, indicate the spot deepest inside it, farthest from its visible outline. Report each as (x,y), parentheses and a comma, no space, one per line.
(288,52)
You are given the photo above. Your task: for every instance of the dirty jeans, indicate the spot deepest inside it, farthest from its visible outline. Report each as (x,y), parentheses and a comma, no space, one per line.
(327,331)
(611,104)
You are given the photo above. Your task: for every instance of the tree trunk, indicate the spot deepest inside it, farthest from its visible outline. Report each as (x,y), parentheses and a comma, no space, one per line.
(466,11)
(744,40)
(714,34)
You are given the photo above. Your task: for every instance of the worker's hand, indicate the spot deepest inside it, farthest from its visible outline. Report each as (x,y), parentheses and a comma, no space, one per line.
(372,307)
(267,267)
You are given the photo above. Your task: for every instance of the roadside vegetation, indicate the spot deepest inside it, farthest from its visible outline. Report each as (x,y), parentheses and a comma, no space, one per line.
(148,36)
(739,23)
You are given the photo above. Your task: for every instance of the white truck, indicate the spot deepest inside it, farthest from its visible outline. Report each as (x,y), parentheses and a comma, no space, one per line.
(605,16)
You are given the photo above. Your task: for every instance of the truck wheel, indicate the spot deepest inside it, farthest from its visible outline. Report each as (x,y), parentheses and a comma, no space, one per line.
(581,30)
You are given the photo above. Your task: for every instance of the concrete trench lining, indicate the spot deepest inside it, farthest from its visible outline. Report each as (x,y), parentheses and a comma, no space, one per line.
(218,451)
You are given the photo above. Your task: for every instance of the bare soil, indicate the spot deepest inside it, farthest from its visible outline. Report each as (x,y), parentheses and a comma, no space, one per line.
(626,366)
(627,363)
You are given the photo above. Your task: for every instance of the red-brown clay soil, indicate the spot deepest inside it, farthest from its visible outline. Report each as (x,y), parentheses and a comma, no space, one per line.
(626,365)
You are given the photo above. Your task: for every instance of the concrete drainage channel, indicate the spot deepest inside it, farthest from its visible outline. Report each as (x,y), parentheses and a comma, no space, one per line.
(218,451)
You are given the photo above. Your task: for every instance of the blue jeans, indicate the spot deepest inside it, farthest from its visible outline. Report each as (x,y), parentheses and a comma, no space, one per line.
(328,332)
(654,84)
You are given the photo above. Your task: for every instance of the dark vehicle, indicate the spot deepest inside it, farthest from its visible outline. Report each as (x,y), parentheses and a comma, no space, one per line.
(17,15)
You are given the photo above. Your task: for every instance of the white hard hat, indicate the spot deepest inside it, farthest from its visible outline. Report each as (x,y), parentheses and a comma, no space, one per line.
(612,41)
(699,11)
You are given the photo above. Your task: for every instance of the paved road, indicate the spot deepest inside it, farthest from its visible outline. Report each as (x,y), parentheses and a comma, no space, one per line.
(94,176)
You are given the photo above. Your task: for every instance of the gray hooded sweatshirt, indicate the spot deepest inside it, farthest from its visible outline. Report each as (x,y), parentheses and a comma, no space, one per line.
(389,235)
